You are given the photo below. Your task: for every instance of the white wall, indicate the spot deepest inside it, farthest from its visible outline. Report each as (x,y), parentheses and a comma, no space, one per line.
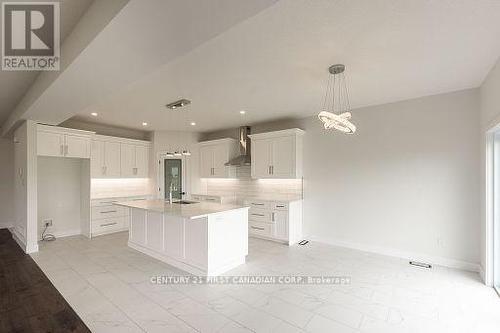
(406,184)
(59,189)
(490,118)
(6,183)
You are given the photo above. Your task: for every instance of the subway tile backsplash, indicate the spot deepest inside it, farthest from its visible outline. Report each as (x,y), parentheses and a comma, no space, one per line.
(126,187)
(245,187)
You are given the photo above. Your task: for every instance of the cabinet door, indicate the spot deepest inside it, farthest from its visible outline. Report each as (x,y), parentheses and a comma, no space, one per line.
(50,144)
(261,159)
(137,233)
(196,242)
(127,158)
(112,159)
(283,157)
(77,146)
(97,164)
(280,219)
(174,237)
(220,157)
(206,161)
(141,161)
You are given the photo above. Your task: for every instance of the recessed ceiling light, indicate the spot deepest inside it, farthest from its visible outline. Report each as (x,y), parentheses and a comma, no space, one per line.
(243,112)
(94,114)
(144,124)
(193,124)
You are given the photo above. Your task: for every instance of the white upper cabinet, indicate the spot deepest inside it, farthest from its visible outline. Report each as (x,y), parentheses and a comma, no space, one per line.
(63,142)
(214,155)
(105,159)
(277,154)
(134,160)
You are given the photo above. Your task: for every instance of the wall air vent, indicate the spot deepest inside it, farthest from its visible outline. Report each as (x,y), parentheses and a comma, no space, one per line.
(178,104)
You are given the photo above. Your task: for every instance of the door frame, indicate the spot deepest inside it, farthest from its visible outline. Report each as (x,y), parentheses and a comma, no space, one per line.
(161,157)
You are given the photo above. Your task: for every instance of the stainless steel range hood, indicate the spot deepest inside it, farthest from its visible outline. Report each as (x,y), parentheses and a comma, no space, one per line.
(244,157)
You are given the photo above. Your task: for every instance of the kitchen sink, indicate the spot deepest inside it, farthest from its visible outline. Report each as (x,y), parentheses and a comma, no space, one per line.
(184,202)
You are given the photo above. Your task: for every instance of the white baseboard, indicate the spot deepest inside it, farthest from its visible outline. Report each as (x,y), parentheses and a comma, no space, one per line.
(481,274)
(65,233)
(6,225)
(439,261)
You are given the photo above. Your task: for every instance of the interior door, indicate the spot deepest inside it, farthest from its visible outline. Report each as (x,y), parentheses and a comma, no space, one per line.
(220,157)
(97,163)
(127,160)
(112,159)
(261,151)
(206,161)
(283,157)
(142,161)
(50,144)
(77,146)
(173,178)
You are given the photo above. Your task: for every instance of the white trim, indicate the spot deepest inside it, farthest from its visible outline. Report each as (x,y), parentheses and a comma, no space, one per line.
(481,274)
(66,233)
(106,138)
(274,134)
(6,225)
(440,261)
(18,238)
(218,141)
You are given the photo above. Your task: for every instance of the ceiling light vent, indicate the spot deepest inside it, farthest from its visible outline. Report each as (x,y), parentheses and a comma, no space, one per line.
(178,104)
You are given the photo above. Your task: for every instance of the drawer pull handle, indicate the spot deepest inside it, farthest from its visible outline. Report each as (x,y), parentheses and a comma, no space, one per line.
(108,211)
(257,204)
(208,199)
(108,224)
(280,206)
(257,228)
(257,214)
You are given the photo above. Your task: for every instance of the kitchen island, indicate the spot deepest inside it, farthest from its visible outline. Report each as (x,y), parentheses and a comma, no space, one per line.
(201,238)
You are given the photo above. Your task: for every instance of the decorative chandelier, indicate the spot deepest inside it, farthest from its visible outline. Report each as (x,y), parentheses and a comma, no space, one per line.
(336,108)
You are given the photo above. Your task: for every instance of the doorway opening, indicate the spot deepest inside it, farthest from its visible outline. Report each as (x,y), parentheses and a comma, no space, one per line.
(171,177)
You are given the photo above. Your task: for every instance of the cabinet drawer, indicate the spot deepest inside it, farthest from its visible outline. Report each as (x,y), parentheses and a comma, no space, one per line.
(108,225)
(259,204)
(104,212)
(104,202)
(280,205)
(260,215)
(261,229)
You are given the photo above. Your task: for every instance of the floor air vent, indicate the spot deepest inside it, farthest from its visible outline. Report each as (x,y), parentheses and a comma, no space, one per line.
(420,264)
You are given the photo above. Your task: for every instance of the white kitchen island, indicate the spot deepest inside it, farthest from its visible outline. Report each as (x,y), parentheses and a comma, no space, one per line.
(201,238)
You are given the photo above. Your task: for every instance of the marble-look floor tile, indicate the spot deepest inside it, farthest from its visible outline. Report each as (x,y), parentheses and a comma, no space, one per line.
(109,286)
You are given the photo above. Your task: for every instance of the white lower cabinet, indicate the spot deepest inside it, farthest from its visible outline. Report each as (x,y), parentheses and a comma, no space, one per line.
(107,218)
(275,220)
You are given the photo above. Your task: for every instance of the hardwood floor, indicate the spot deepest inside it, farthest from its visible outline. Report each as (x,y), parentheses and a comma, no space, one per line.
(28,301)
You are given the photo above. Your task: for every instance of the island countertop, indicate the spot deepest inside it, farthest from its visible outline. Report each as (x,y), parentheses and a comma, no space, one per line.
(190,211)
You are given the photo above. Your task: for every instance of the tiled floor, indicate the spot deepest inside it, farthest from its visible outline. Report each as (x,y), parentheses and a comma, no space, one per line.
(109,286)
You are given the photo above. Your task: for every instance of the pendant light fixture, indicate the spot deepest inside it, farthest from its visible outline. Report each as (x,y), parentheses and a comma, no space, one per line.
(336,111)
(182,120)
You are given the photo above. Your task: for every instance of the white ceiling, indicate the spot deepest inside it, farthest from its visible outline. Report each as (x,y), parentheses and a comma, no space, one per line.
(13,85)
(274,64)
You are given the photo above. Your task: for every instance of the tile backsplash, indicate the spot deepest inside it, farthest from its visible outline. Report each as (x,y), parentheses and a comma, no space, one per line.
(243,186)
(124,187)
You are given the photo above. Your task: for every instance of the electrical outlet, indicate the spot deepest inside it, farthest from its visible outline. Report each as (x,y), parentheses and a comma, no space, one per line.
(47,222)
(440,242)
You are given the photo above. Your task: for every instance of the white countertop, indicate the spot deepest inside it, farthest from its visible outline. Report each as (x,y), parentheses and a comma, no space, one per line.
(191,211)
